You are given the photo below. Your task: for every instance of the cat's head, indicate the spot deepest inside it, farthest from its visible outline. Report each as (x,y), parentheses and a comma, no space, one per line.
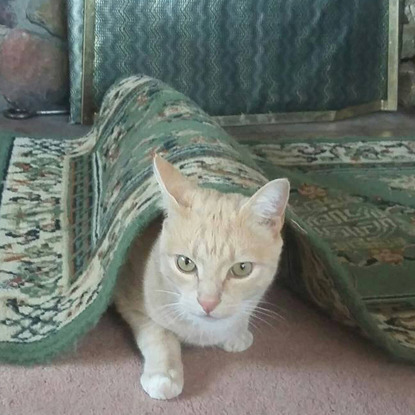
(218,251)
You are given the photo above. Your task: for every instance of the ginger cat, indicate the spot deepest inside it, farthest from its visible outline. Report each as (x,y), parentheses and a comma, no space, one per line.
(198,276)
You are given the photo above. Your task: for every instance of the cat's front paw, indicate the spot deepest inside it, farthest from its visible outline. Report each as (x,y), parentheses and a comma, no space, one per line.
(238,343)
(162,385)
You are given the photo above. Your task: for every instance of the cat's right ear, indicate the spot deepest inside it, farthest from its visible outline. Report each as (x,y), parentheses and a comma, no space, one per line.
(268,204)
(175,187)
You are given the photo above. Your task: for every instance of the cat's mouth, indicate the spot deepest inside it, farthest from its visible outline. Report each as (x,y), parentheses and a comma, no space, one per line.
(209,318)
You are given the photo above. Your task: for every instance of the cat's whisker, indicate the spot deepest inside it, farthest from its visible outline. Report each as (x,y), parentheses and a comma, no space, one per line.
(171,312)
(262,314)
(275,318)
(251,309)
(264,302)
(270,313)
(178,316)
(168,314)
(167,292)
(251,323)
(266,310)
(254,316)
(272,305)
(164,306)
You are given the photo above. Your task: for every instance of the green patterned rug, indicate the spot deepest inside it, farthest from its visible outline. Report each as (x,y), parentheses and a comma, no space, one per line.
(70,209)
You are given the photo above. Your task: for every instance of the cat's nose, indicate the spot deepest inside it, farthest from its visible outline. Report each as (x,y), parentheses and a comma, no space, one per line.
(209,304)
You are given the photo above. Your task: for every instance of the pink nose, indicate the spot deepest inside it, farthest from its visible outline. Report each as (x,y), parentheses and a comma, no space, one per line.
(209,304)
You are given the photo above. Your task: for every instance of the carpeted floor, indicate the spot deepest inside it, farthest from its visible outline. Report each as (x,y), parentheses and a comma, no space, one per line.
(306,365)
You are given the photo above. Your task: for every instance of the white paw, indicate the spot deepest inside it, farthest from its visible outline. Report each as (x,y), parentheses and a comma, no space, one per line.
(163,385)
(239,343)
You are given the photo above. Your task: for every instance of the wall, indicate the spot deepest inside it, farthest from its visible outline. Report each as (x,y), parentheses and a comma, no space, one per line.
(33,53)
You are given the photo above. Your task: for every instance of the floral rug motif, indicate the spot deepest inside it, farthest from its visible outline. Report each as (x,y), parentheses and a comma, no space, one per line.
(71,208)
(357,196)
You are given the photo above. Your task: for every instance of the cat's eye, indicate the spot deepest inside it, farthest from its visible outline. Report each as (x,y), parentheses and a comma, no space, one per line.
(242,269)
(185,264)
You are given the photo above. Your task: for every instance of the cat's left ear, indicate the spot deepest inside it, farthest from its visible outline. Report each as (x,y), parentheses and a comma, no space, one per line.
(268,204)
(175,187)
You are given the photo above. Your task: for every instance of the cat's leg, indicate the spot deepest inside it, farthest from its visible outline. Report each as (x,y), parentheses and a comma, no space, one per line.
(238,341)
(162,376)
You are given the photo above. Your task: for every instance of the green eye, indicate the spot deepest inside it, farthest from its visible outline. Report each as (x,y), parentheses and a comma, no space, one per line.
(242,269)
(185,264)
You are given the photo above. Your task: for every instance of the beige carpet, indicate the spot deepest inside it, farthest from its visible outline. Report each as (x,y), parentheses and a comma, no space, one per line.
(307,365)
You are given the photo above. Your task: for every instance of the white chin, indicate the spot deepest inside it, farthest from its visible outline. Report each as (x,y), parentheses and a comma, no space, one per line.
(210,319)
